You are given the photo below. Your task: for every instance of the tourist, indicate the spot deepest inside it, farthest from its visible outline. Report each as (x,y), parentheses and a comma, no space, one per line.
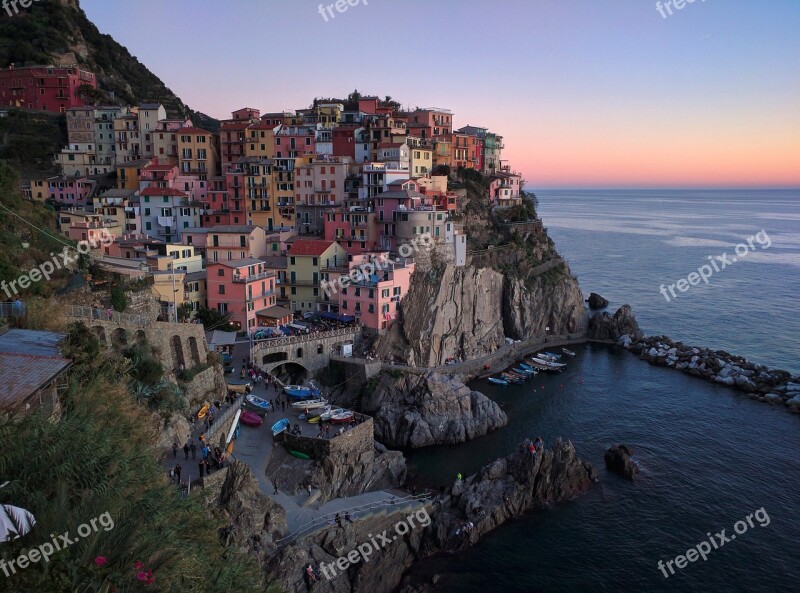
(186,450)
(275,487)
(174,449)
(177,472)
(310,574)
(458,476)
(308,488)
(347,517)
(338,520)
(193,449)
(201,465)
(283,405)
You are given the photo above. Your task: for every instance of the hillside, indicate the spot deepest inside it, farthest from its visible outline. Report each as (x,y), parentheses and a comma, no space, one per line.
(58,32)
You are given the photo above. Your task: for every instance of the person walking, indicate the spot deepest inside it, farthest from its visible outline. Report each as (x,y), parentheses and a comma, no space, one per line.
(174,449)
(193,449)
(186,450)
(201,465)
(308,488)
(274,487)
(283,405)
(178,470)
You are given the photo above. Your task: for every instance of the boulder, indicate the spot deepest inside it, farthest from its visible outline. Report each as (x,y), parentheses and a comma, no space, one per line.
(603,326)
(618,460)
(596,301)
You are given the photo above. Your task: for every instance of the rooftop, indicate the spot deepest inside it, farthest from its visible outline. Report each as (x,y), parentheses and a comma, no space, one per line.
(29,360)
(312,247)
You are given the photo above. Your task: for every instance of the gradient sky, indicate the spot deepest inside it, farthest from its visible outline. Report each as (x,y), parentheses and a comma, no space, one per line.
(591,94)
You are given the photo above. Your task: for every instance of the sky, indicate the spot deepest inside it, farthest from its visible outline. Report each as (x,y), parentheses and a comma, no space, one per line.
(587,94)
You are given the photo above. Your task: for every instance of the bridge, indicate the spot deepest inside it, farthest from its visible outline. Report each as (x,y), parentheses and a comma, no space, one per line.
(175,345)
(310,352)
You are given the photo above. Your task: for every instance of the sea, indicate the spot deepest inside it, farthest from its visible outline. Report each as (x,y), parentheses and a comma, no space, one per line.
(709,457)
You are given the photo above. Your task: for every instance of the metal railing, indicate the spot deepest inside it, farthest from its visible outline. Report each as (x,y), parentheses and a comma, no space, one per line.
(220,422)
(269,342)
(96,314)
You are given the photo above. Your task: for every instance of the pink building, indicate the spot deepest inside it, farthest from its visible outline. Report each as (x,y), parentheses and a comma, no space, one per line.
(72,192)
(294,141)
(241,287)
(504,189)
(45,88)
(355,231)
(375,299)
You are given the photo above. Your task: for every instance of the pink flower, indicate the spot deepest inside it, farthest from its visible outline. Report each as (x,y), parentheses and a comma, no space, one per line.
(138,565)
(142,576)
(100,561)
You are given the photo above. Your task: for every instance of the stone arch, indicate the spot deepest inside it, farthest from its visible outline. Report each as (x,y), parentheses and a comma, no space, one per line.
(274,357)
(139,337)
(177,352)
(194,350)
(100,334)
(299,353)
(292,372)
(119,338)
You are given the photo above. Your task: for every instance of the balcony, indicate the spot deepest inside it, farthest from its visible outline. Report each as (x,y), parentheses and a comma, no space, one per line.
(267,293)
(238,279)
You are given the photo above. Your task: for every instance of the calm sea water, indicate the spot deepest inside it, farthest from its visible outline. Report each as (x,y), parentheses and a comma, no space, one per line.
(709,456)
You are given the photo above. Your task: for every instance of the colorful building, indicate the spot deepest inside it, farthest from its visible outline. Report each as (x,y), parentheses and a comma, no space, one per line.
(241,287)
(197,152)
(45,88)
(307,260)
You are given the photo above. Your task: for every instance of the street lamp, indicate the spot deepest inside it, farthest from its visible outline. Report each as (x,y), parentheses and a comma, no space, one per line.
(174,293)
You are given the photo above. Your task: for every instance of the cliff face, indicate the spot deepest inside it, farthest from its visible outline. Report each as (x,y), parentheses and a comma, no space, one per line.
(421,410)
(468,312)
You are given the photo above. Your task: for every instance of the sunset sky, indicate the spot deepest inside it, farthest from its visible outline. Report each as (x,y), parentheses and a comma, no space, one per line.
(593,94)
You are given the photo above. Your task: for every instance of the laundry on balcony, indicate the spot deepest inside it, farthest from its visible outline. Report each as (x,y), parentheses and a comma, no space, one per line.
(166,221)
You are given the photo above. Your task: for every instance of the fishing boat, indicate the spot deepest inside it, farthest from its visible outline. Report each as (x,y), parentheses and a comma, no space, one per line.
(550,363)
(314,419)
(299,454)
(327,415)
(251,419)
(280,426)
(524,372)
(511,379)
(552,355)
(256,404)
(545,367)
(201,413)
(528,368)
(342,418)
(568,352)
(497,381)
(310,404)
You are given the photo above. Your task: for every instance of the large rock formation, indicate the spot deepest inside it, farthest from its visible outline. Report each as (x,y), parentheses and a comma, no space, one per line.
(503,489)
(596,301)
(618,460)
(603,326)
(412,410)
(467,312)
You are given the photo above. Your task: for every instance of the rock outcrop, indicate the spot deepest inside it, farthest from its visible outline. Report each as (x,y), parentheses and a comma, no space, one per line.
(758,381)
(468,312)
(253,521)
(503,489)
(411,410)
(596,301)
(603,326)
(618,460)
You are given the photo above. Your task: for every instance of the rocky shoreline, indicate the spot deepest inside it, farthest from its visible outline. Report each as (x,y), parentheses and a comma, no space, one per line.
(757,381)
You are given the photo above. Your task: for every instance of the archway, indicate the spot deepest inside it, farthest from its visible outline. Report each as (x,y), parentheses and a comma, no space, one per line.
(139,338)
(274,357)
(119,338)
(100,334)
(177,352)
(194,351)
(290,373)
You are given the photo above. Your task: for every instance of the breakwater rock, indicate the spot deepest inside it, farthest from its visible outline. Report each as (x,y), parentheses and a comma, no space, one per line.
(596,301)
(604,326)
(618,460)
(412,410)
(500,491)
(773,386)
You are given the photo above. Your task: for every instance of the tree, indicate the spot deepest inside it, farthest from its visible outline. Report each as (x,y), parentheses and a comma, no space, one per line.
(213,319)
(119,301)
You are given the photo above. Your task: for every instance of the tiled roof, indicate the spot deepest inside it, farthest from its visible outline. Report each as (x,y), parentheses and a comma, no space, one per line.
(313,247)
(29,360)
(275,312)
(193,130)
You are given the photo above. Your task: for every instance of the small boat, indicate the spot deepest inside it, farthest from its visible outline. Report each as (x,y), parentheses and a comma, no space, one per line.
(201,413)
(568,352)
(299,454)
(545,367)
(497,381)
(550,363)
(314,420)
(553,355)
(251,419)
(232,433)
(280,426)
(240,387)
(511,379)
(257,405)
(528,368)
(310,404)
(524,372)
(328,414)
(342,418)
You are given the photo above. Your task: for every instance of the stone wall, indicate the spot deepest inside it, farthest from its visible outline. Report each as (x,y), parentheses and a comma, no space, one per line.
(206,385)
(358,439)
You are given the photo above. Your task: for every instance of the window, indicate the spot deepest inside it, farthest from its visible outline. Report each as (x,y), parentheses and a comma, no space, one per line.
(220,272)
(222,289)
(291,260)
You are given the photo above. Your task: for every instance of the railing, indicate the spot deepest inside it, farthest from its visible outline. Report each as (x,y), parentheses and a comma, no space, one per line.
(328,520)
(95,314)
(253,277)
(12,309)
(220,422)
(270,342)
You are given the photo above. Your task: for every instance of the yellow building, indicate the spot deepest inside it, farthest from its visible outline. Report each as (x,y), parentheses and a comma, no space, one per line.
(307,261)
(197,153)
(178,277)
(282,193)
(420,161)
(329,114)
(259,141)
(128,173)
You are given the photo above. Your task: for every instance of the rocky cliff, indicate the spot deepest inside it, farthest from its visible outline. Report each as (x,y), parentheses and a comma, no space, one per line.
(419,410)
(503,489)
(604,326)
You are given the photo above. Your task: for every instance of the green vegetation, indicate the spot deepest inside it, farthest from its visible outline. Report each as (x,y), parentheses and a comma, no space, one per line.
(97,459)
(26,245)
(28,140)
(118,299)
(213,319)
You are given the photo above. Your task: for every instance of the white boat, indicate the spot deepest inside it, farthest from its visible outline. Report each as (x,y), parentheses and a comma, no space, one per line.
(568,352)
(550,363)
(328,414)
(310,404)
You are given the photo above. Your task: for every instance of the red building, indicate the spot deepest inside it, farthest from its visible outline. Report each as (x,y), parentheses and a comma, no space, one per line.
(44,88)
